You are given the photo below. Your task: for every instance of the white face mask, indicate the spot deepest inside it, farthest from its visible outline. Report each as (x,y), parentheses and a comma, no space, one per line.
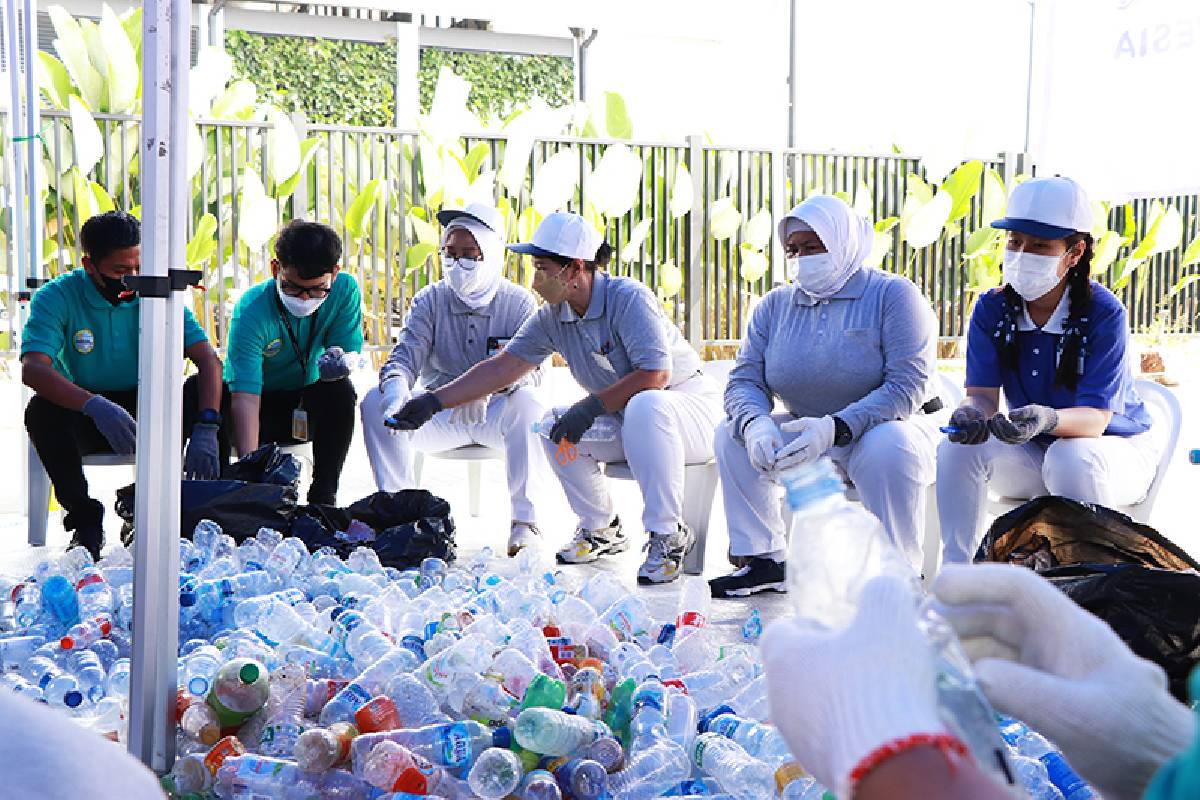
(464,276)
(815,274)
(1030,275)
(299,307)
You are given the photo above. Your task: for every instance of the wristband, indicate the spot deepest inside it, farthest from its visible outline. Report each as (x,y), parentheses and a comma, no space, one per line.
(944,742)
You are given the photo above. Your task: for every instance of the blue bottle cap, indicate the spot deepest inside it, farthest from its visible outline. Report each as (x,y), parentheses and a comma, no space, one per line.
(187,599)
(72,699)
(502,737)
(1194,456)
(712,714)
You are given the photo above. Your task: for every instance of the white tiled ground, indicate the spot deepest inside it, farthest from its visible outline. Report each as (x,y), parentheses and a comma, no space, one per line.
(448,479)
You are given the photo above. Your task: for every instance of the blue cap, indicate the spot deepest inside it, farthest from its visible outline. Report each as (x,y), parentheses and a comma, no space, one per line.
(706,719)
(562,234)
(1048,208)
(187,599)
(502,737)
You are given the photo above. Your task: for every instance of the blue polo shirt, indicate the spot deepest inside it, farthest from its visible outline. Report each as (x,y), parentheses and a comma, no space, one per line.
(1107,381)
(260,355)
(91,342)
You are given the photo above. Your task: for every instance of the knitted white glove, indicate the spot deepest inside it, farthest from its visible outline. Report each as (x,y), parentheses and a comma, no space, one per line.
(1065,673)
(814,440)
(763,440)
(394,393)
(865,685)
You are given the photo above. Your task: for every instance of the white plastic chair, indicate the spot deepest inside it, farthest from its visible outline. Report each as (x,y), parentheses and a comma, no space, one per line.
(474,455)
(1165,409)
(37,489)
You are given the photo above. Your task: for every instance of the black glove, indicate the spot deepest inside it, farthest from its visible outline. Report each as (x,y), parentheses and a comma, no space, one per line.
(333,365)
(200,459)
(1023,424)
(972,426)
(415,412)
(573,424)
(113,422)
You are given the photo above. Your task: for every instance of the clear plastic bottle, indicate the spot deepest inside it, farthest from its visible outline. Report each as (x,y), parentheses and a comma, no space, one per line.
(793,783)
(95,596)
(16,650)
(240,689)
(695,600)
(415,704)
(394,768)
(87,632)
(60,600)
(582,779)
(455,745)
(199,722)
(649,708)
(650,771)
(366,685)
(556,733)
(377,714)
(604,429)
(516,668)
(320,749)
(1034,778)
(1073,787)
(761,741)
(539,785)
(734,769)
(837,548)
(200,669)
(283,715)
(27,603)
(752,628)
(85,666)
(496,773)
(681,719)
(58,688)
(363,641)
(190,775)
(118,679)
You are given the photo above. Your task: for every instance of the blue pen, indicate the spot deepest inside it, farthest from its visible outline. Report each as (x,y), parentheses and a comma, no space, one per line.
(950,429)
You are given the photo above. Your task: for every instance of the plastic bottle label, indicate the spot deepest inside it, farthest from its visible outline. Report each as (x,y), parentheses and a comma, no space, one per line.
(698,756)
(356,696)
(455,742)
(692,619)
(725,726)
(1061,774)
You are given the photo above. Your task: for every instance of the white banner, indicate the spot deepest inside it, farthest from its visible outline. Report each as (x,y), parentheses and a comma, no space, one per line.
(1114,98)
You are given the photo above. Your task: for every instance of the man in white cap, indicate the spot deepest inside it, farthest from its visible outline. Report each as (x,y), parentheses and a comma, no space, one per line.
(466,317)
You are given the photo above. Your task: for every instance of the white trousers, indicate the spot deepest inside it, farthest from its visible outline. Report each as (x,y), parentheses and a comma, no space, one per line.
(662,431)
(509,427)
(890,465)
(1107,470)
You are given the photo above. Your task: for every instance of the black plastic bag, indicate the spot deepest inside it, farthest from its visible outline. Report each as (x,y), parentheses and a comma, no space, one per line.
(240,508)
(1154,611)
(407,545)
(267,464)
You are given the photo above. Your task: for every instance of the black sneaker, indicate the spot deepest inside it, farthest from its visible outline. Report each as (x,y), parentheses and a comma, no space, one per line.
(90,537)
(759,575)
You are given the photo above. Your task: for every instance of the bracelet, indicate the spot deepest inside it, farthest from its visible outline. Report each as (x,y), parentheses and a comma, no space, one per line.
(944,742)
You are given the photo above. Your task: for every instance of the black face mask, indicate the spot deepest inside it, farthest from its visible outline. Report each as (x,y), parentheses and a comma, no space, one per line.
(111,290)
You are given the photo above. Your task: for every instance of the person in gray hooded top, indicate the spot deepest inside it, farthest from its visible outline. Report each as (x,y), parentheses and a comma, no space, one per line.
(850,352)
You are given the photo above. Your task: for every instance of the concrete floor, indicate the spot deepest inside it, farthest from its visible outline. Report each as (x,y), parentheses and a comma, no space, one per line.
(448,479)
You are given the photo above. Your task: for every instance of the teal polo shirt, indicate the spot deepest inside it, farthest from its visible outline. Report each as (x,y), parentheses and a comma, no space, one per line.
(91,342)
(260,355)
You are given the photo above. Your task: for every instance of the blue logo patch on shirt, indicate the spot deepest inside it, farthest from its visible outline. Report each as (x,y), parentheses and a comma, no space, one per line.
(84,341)
(273,347)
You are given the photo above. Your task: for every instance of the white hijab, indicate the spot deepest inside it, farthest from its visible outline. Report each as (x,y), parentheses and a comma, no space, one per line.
(479,289)
(847,236)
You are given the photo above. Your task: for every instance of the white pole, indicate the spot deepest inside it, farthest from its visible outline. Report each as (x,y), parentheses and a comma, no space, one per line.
(33,150)
(18,204)
(165,57)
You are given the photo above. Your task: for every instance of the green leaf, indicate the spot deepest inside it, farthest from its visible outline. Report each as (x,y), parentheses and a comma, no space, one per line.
(73,51)
(981,241)
(682,193)
(361,208)
(416,256)
(308,149)
(81,196)
(994,198)
(1099,219)
(590,131)
(124,72)
(757,231)
(1163,233)
(962,185)
(131,21)
(1130,266)
(886,224)
(616,117)
(1106,249)
(917,194)
(926,223)
(203,244)
(96,55)
(54,80)
(475,159)
(753,264)
(724,219)
(283,148)
(1131,225)
(426,232)
(880,246)
(613,186)
(670,280)
(101,197)
(633,247)
(85,136)
(1192,254)
(236,102)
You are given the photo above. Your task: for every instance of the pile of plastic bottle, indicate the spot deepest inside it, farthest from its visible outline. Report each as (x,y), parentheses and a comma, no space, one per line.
(309,676)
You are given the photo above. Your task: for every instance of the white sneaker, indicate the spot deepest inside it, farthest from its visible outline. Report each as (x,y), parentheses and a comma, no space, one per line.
(665,553)
(589,545)
(522,535)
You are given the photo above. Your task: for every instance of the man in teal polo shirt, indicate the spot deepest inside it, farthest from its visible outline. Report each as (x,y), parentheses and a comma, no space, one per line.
(79,353)
(287,367)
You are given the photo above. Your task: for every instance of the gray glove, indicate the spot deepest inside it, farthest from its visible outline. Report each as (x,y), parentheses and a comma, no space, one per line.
(332,365)
(576,420)
(1024,423)
(200,460)
(972,426)
(113,422)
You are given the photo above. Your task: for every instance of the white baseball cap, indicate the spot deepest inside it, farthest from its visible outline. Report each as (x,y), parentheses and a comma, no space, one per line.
(487,216)
(562,234)
(1049,208)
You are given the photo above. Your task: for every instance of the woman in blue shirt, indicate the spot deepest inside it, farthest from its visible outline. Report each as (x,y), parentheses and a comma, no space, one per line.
(1056,343)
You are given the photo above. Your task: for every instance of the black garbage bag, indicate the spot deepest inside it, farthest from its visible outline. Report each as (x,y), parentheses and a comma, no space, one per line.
(267,464)
(1142,584)
(409,526)
(240,508)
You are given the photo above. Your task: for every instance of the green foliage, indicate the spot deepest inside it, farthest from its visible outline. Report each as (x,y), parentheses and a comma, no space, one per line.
(349,83)
(500,83)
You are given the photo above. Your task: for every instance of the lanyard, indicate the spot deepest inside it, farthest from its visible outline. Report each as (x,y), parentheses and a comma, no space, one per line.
(312,333)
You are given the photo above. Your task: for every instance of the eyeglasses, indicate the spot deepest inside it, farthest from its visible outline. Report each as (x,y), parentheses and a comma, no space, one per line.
(293,290)
(448,256)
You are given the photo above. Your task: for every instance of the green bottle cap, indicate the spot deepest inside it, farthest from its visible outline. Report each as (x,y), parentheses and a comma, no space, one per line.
(249,673)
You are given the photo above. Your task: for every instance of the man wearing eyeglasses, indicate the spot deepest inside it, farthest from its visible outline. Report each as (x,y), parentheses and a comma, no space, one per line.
(286,365)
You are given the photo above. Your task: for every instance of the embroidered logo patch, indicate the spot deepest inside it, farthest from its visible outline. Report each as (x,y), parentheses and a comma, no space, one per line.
(273,347)
(84,341)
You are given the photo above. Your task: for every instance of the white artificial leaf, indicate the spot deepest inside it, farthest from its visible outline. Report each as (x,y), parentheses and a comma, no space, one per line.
(614,184)
(633,247)
(757,232)
(256,212)
(555,181)
(85,135)
(682,193)
(925,226)
(724,219)
(283,146)
(123,70)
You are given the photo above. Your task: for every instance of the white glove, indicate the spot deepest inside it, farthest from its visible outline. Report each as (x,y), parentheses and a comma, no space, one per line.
(472,413)
(394,394)
(763,440)
(868,684)
(814,440)
(1066,674)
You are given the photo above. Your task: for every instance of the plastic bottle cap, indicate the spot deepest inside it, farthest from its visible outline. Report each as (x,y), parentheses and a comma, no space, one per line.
(72,699)
(67,643)
(249,673)
(187,599)
(791,771)
(502,737)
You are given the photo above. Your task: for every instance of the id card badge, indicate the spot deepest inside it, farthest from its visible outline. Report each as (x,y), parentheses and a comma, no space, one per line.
(496,343)
(300,425)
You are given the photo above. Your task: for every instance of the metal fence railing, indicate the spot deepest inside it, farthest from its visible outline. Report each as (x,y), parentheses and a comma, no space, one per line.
(231,165)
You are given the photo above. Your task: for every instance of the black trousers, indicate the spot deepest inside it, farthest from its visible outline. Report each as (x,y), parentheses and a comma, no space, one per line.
(63,437)
(331,407)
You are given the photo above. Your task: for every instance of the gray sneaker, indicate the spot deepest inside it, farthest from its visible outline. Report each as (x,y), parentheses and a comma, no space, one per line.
(589,545)
(665,553)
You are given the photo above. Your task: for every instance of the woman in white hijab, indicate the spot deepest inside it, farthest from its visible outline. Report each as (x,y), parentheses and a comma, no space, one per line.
(453,324)
(850,353)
